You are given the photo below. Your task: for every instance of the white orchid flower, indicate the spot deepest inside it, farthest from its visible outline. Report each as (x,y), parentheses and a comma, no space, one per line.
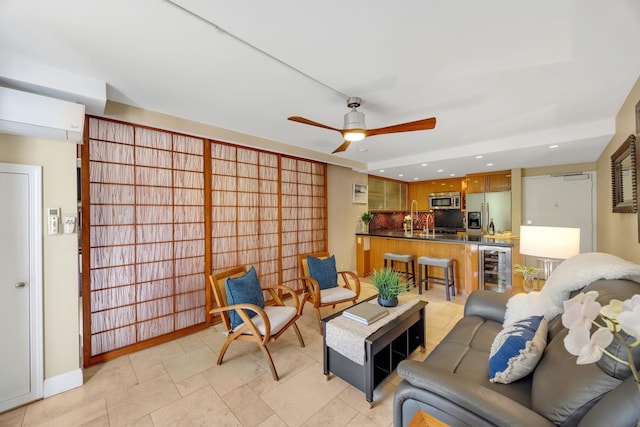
(629,321)
(589,349)
(612,309)
(581,310)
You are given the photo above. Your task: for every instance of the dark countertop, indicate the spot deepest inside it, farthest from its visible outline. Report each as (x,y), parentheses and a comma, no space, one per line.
(449,238)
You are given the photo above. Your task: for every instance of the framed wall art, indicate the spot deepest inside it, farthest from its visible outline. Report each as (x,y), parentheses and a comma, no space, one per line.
(638,118)
(360,193)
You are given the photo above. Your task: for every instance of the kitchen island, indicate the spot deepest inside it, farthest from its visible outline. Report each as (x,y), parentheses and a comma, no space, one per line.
(463,248)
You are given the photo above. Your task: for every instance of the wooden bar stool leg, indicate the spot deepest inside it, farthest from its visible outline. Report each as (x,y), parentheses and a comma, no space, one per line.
(419,278)
(413,272)
(446,281)
(406,273)
(453,282)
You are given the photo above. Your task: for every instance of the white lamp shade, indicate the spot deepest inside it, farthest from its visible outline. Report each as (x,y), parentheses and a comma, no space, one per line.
(549,242)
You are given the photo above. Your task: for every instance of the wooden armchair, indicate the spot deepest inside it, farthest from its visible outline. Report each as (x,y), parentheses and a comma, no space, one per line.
(349,291)
(269,323)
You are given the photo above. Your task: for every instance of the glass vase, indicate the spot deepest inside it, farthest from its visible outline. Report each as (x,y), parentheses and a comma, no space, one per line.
(527,282)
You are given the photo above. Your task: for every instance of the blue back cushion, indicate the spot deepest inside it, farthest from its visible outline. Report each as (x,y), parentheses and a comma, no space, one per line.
(243,290)
(324,271)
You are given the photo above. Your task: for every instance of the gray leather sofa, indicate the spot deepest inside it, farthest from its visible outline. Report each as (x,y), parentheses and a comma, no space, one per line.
(452,384)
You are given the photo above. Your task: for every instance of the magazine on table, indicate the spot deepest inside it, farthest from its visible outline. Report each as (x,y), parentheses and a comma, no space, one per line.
(365,313)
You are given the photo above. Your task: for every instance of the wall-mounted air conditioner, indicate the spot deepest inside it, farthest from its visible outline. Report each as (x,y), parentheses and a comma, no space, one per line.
(24,113)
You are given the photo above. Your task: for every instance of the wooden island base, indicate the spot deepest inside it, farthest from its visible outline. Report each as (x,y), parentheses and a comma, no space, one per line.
(463,249)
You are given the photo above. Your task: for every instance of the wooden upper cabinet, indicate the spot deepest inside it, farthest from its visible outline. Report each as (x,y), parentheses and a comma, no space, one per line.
(445,185)
(385,194)
(420,190)
(489,182)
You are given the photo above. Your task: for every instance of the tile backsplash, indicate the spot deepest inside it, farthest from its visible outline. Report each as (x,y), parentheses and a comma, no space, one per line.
(394,220)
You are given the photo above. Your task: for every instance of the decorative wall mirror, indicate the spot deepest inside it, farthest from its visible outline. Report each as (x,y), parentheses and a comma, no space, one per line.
(624,177)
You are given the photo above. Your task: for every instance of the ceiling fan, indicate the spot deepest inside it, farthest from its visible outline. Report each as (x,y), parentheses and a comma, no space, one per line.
(355,129)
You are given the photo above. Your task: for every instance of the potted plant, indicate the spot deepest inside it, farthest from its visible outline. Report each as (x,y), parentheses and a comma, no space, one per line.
(366,217)
(528,274)
(389,284)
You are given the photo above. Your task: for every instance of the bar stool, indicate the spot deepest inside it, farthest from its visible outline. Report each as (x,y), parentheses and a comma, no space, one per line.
(447,279)
(406,259)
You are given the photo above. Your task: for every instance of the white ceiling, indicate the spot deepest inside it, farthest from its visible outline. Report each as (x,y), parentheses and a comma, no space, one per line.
(504,79)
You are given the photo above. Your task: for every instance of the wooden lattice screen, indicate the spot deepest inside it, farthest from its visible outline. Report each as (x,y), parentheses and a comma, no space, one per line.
(244,211)
(304,221)
(149,202)
(146,236)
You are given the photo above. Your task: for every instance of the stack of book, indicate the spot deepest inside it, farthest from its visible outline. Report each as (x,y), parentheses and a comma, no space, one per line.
(365,313)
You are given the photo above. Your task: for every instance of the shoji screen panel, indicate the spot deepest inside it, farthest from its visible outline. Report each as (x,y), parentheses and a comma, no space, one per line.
(304,213)
(145,219)
(245,210)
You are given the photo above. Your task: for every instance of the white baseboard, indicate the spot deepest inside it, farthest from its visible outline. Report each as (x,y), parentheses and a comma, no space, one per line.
(62,382)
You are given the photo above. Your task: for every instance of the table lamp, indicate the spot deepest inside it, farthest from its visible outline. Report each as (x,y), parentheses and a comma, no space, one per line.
(550,245)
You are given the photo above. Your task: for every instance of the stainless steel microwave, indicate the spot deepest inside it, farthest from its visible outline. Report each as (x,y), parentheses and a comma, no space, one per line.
(444,200)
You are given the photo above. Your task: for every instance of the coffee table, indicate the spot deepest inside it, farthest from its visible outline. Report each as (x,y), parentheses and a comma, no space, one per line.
(384,349)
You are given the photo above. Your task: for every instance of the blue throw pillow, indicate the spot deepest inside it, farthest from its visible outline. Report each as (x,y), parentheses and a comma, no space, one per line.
(324,271)
(517,349)
(243,290)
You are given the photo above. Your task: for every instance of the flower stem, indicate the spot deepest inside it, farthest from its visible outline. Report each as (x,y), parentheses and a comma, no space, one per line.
(631,364)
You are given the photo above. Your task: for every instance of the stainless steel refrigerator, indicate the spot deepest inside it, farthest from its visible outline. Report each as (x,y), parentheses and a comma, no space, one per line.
(496,205)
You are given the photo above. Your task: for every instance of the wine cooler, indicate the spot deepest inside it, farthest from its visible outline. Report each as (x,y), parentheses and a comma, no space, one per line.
(495,268)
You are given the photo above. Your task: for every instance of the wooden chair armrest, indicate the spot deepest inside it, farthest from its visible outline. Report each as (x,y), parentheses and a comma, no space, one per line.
(274,294)
(356,281)
(313,289)
(246,319)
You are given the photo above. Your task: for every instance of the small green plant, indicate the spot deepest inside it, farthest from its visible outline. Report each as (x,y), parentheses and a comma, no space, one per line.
(388,282)
(366,217)
(526,271)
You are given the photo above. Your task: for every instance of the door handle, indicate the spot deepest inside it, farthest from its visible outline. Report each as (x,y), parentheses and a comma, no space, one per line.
(20,285)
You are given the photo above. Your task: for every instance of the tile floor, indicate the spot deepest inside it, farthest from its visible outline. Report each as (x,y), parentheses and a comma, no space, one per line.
(179,384)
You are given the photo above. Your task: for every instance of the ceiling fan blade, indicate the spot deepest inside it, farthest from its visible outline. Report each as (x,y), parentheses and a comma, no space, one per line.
(343,147)
(424,124)
(310,122)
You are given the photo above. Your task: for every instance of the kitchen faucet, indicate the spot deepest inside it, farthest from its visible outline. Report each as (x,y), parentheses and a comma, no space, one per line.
(411,214)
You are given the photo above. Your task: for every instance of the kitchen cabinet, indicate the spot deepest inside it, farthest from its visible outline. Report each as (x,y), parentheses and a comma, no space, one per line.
(420,190)
(387,195)
(489,182)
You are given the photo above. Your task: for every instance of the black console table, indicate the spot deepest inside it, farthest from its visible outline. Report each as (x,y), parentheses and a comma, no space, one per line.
(384,350)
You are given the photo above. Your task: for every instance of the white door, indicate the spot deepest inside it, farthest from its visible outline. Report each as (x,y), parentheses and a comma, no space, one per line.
(21,374)
(561,201)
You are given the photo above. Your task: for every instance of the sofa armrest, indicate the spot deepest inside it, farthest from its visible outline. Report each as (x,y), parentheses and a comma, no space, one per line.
(487,304)
(463,397)
(618,407)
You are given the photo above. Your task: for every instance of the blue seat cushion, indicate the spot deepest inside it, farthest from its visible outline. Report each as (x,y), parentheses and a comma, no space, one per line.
(243,290)
(324,271)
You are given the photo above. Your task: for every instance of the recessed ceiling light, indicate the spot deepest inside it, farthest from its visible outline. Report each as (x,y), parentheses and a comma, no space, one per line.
(452,174)
(554,146)
(424,164)
(362,149)
(479,157)
(381,170)
(415,179)
(440,170)
(489,164)
(400,174)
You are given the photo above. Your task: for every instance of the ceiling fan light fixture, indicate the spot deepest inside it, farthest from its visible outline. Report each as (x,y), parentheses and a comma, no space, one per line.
(354,135)
(354,119)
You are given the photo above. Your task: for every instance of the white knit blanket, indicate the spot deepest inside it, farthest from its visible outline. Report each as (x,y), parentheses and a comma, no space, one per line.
(346,336)
(571,275)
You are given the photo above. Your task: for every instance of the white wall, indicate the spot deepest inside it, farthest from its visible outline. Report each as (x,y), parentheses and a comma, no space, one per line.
(343,214)
(617,232)
(60,252)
